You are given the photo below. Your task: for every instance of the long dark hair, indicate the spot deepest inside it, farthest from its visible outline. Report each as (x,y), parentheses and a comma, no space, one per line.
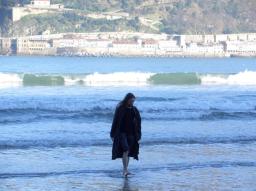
(126,99)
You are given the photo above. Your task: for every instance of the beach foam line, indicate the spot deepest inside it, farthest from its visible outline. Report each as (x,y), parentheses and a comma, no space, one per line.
(30,115)
(127,79)
(116,172)
(49,143)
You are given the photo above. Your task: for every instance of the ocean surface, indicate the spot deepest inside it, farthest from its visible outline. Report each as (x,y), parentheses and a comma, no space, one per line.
(198,123)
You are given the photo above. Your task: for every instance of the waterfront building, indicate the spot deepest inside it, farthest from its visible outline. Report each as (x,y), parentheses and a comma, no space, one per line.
(34,46)
(169,46)
(126,44)
(149,45)
(240,47)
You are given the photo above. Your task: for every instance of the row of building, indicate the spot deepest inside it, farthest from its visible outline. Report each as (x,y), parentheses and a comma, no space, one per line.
(131,44)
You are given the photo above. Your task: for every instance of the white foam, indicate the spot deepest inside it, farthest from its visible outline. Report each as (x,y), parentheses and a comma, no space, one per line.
(242,78)
(10,80)
(71,80)
(133,79)
(113,79)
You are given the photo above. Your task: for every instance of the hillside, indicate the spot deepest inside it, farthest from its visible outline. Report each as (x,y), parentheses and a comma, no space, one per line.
(157,16)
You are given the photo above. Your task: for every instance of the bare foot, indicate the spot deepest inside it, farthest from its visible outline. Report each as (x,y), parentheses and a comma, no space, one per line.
(126,173)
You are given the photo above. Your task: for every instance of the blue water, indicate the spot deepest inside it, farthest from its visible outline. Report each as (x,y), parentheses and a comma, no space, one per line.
(79,65)
(195,137)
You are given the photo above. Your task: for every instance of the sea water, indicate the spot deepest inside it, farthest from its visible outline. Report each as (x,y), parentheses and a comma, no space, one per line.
(198,123)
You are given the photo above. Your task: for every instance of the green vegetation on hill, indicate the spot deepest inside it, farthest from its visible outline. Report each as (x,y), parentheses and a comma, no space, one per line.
(71,22)
(169,16)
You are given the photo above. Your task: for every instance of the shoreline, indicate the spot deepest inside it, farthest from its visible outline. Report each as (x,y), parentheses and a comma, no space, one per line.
(130,56)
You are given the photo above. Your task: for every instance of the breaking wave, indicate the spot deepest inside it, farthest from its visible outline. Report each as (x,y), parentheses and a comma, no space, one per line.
(116,173)
(126,79)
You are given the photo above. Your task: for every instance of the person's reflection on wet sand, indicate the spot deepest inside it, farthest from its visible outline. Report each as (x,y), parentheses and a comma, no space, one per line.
(127,186)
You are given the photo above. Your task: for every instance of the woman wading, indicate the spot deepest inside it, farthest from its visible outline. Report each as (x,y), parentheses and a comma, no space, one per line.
(126,132)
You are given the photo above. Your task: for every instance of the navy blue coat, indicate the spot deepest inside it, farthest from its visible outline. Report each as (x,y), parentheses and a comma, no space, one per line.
(115,133)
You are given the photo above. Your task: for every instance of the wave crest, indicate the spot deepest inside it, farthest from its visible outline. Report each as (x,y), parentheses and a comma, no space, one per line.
(127,79)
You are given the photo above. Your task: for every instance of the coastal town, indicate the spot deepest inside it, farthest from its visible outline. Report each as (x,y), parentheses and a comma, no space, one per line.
(131,44)
(126,43)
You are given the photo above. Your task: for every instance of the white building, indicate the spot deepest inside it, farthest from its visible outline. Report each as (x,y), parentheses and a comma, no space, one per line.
(232,37)
(81,43)
(220,38)
(149,45)
(44,4)
(34,8)
(240,47)
(65,43)
(98,43)
(208,39)
(242,37)
(41,3)
(206,49)
(251,37)
(169,46)
(194,38)
(33,46)
(126,44)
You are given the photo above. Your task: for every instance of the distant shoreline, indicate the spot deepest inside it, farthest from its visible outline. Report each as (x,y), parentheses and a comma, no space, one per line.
(132,45)
(130,56)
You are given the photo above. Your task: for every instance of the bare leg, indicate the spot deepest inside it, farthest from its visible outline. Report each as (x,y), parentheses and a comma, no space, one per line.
(125,160)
